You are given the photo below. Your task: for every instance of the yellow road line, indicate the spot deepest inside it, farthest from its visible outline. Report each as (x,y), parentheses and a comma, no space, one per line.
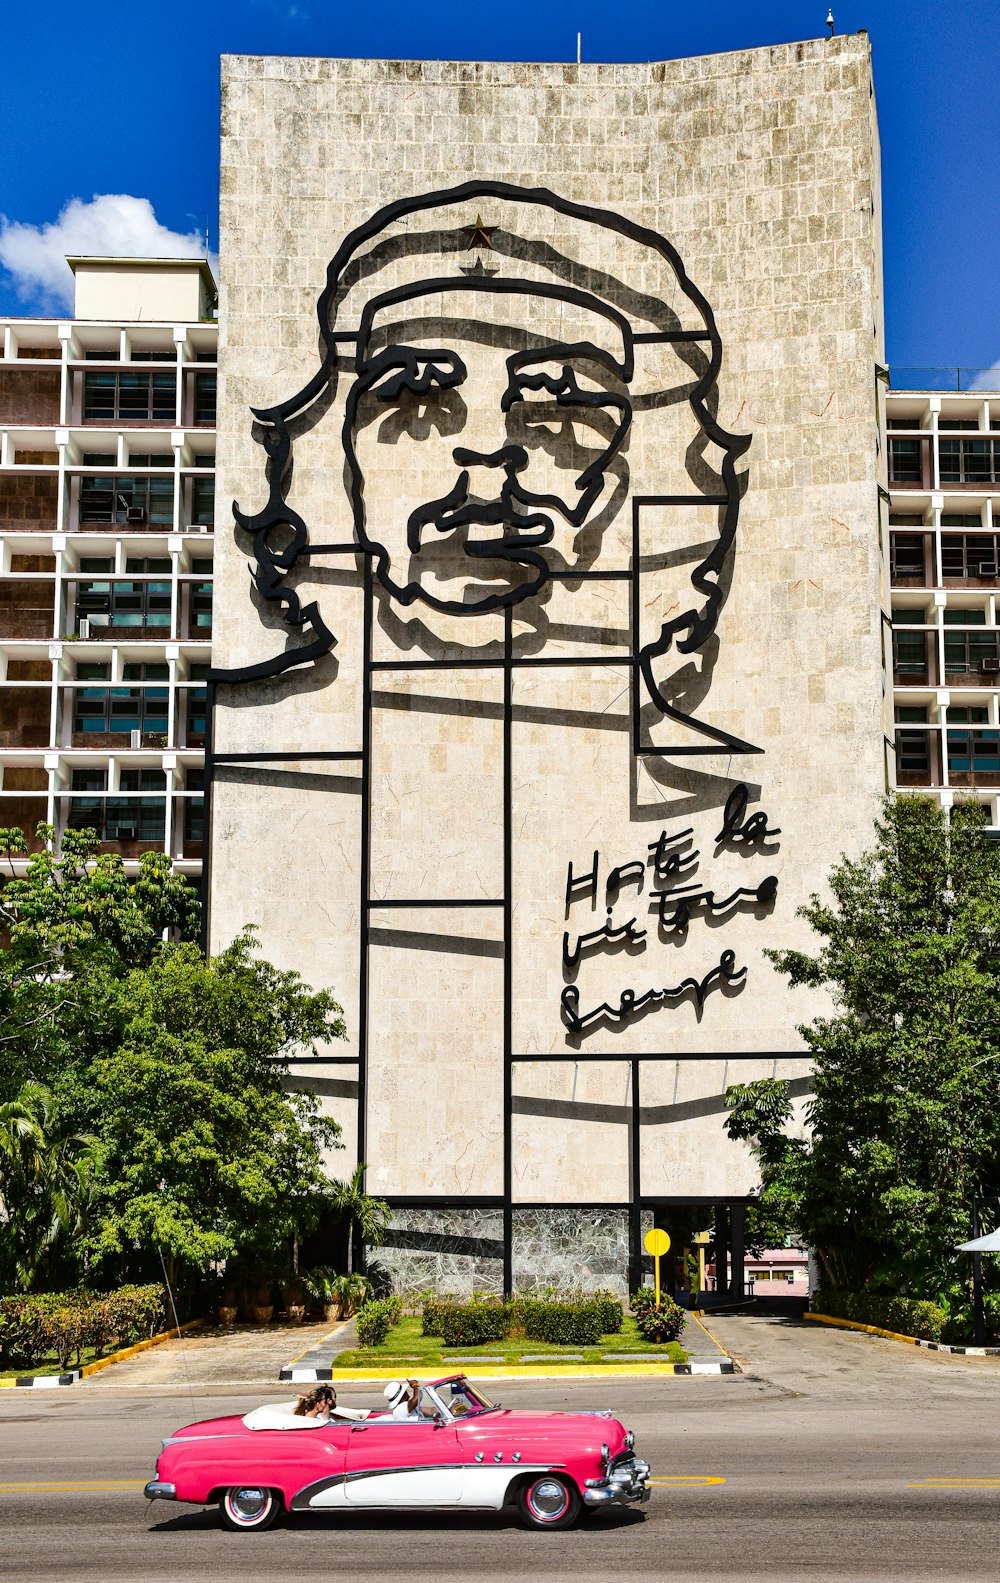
(678,1480)
(37,1486)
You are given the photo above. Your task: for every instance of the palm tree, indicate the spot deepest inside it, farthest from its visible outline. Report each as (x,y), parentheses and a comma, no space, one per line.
(367,1217)
(45,1180)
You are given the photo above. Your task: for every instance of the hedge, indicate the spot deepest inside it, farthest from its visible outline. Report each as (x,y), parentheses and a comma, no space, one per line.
(67,1322)
(581,1323)
(376,1318)
(907,1316)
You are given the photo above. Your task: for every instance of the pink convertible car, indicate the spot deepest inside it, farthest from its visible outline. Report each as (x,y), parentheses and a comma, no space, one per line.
(461,1451)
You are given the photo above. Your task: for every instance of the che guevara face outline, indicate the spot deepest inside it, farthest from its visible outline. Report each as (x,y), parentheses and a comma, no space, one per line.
(553,417)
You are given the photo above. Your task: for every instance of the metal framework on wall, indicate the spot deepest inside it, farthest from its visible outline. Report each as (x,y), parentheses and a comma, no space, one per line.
(687,632)
(508,665)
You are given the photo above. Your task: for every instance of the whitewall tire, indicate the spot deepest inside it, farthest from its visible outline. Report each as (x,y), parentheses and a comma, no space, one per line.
(247,1507)
(549,1500)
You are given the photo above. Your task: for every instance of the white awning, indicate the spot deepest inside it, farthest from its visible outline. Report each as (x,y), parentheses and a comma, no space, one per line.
(987,1244)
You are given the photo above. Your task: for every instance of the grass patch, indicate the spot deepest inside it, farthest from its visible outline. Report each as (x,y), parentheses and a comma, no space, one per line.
(405,1343)
(50,1365)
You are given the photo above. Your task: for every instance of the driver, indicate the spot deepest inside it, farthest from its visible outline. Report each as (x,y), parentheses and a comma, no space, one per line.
(403,1397)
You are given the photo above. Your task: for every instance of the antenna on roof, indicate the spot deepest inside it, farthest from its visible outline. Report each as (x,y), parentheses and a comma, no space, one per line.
(579,37)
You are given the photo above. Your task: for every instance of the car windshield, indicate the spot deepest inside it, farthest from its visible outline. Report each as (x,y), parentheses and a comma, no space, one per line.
(462,1400)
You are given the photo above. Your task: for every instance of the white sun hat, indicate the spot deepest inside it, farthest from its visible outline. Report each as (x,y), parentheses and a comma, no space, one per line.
(394,1392)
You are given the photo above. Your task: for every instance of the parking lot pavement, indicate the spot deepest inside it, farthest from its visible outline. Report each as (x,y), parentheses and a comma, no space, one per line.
(248,1355)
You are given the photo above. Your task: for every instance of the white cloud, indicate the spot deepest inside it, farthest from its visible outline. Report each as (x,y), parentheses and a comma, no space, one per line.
(111,225)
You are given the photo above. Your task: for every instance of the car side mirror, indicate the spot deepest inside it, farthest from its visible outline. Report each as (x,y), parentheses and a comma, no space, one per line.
(439,1419)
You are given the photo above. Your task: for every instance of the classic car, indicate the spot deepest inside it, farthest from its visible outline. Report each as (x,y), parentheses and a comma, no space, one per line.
(460,1450)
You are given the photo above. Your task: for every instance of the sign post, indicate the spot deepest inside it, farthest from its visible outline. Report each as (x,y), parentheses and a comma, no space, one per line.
(656,1242)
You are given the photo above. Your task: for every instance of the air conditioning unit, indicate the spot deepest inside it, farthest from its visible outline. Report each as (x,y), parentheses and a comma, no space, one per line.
(121,832)
(83,627)
(987,568)
(990,667)
(203,527)
(135,514)
(135,739)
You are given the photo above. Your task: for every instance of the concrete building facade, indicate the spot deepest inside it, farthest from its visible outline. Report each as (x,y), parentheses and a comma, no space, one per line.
(944,532)
(549,408)
(107,513)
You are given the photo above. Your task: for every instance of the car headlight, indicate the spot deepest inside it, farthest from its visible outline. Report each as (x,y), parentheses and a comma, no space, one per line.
(629,1440)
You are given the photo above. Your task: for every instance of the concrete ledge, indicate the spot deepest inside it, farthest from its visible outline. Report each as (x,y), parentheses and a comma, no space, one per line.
(912,1341)
(41,1382)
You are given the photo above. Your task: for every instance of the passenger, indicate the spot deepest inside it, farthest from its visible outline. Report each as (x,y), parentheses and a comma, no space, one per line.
(319,1403)
(403,1397)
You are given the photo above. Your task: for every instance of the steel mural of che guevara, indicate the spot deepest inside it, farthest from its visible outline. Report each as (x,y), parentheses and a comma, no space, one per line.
(526,483)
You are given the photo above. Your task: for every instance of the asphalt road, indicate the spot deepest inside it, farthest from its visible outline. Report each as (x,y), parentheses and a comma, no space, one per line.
(837,1456)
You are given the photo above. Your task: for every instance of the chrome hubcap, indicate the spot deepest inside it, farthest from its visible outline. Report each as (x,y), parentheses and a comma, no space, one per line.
(248,1504)
(547,1498)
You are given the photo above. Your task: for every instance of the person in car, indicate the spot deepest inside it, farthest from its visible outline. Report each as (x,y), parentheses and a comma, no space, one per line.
(318,1403)
(403,1397)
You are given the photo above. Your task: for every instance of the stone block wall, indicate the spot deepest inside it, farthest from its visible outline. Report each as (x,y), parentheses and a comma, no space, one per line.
(424,879)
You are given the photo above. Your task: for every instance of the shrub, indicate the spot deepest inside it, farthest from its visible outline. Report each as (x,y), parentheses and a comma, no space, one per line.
(471,1324)
(376,1318)
(67,1322)
(564,1324)
(612,1312)
(907,1316)
(657,1322)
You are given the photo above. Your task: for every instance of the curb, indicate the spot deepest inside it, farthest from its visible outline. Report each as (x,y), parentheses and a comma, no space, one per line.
(515,1371)
(912,1341)
(41,1382)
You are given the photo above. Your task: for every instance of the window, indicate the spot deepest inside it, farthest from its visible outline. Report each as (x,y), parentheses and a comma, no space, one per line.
(902,423)
(147,671)
(204,459)
(143,780)
(150,566)
(912,712)
(906,556)
(964,618)
(965,554)
(198,673)
(100,459)
(96,563)
(969,461)
(122,604)
(913,754)
(151,459)
(113,499)
(201,567)
(905,462)
(968,653)
(87,813)
(201,608)
(204,397)
(909,653)
(897,519)
(119,709)
(196,712)
(974,753)
(88,672)
(969,715)
(957,423)
(89,780)
(203,501)
(903,617)
(142,398)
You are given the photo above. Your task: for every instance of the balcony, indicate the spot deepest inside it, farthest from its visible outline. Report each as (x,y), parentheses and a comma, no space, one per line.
(911,463)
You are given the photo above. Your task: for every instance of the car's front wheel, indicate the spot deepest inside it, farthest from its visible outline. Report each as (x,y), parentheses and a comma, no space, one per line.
(549,1501)
(245,1506)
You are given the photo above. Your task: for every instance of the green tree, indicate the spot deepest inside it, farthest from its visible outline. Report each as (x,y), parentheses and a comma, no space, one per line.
(176,1065)
(904,1116)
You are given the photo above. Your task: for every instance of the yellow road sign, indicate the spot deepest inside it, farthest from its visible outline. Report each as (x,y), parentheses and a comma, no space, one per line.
(656,1242)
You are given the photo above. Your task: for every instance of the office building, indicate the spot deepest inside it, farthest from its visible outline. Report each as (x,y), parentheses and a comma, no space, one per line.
(107,514)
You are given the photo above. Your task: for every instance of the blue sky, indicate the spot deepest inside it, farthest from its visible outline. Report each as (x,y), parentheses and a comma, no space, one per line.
(121,98)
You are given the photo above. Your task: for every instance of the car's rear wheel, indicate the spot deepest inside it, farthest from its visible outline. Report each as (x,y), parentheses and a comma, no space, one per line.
(249,1506)
(549,1501)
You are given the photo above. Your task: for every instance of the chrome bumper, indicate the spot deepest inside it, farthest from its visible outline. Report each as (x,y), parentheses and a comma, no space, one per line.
(157,1491)
(628,1482)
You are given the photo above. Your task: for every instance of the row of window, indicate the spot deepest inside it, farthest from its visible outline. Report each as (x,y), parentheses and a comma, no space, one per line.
(125,396)
(133,818)
(136,500)
(962,555)
(969,752)
(965,653)
(127,709)
(960,461)
(135,604)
